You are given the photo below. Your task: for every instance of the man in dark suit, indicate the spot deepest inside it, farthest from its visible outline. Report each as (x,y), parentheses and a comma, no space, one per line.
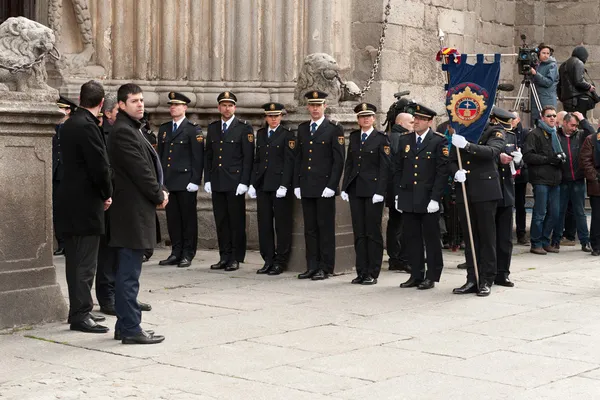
(420,177)
(365,182)
(317,174)
(66,106)
(83,196)
(139,191)
(229,159)
(181,152)
(271,180)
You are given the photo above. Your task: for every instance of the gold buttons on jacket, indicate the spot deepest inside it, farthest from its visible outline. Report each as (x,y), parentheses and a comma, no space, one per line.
(415,182)
(416,166)
(219,165)
(309,168)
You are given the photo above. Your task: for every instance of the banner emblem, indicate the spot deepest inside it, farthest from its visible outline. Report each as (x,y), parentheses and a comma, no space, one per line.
(467,105)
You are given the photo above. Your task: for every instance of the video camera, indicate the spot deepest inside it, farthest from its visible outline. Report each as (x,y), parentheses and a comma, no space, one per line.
(527,57)
(401,105)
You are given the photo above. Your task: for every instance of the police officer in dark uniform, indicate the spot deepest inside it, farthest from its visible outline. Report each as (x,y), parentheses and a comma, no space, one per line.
(181,152)
(66,106)
(365,182)
(229,160)
(271,180)
(153,140)
(420,177)
(510,160)
(480,171)
(317,174)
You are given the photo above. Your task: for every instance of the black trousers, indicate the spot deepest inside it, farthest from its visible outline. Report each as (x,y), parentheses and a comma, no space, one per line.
(520,215)
(319,233)
(274,223)
(581,107)
(504,244)
(182,223)
(570,228)
(81,254)
(483,222)
(59,238)
(419,228)
(230,218)
(595,228)
(396,249)
(368,239)
(108,260)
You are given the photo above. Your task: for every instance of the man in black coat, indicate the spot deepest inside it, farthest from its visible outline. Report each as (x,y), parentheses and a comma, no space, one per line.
(317,174)
(66,106)
(366,174)
(181,152)
(229,159)
(420,177)
(271,180)
(139,191)
(573,90)
(83,196)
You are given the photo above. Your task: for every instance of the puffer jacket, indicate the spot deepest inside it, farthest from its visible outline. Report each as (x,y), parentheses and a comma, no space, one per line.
(571,81)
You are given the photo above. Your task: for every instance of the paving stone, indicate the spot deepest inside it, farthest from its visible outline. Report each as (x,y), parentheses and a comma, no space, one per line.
(572,388)
(570,346)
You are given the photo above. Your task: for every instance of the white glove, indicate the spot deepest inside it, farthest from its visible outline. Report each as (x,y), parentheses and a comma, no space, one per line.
(191,187)
(459,141)
(241,189)
(377,198)
(517,156)
(433,206)
(252,192)
(397,209)
(207,188)
(328,193)
(297,193)
(345,196)
(460,176)
(281,192)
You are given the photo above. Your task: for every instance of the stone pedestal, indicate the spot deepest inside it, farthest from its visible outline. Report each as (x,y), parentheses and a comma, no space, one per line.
(29,292)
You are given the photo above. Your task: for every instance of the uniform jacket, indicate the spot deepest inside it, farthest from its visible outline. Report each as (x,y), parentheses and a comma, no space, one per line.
(420,176)
(138,191)
(274,159)
(587,163)
(181,154)
(537,153)
(367,166)
(507,181)
(86,183)
(481,164)
(394,136)
(57,166)
(229,156)
(320,158)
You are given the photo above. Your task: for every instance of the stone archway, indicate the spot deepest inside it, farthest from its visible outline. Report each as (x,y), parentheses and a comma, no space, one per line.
(17,8)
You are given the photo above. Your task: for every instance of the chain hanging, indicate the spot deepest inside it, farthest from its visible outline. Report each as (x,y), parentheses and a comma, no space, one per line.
(18,68)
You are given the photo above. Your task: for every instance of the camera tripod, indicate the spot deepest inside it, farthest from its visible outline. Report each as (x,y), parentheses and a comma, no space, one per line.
(527,84)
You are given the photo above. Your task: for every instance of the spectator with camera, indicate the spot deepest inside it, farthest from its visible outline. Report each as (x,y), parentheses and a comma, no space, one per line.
(574,91)
(572,187)
(545,79)
(543,155)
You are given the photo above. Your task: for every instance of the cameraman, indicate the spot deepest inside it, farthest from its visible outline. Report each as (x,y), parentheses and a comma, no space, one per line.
(573,91)
(545,79)
(543,156)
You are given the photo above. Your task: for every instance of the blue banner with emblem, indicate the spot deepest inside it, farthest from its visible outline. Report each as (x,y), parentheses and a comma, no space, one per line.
(471,93)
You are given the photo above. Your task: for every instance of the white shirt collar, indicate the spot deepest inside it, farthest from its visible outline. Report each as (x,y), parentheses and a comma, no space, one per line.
(272,129)
(422,136)
(228,122)
(179,121)
(368,132)
(319,122)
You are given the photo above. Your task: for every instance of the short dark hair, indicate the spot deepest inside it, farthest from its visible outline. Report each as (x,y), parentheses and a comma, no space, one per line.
(548,107)
(127,89)
(91,94)
(568,117)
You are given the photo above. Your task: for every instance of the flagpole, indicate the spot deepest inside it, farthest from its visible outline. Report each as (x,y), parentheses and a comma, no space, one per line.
(462,184)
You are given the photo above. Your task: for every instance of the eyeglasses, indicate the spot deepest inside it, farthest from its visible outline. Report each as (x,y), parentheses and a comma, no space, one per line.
(550,116)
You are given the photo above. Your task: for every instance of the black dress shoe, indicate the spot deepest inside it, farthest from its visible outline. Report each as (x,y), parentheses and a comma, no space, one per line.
(595,253)
(426,284)
(276,270)
(59,252)
(503,281)
(118,334)
(369,280)
(411,282)
(144,306)
(586,247)
(144,259)
(219,265)
(307,274)
(184,263)
(88,326)
(469,287)
(484,290)
(171,260)
(265,269)
(97,318)
(462,266)
(319,276)
(232,266)
(142,338)
(358,280)
(108,309)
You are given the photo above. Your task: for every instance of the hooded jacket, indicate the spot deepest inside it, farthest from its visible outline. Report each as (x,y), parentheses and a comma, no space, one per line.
(571,81)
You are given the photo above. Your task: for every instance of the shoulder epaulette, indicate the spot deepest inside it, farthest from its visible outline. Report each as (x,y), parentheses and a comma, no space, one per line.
(333,121)
(440,134)
(167,123)
(214,123)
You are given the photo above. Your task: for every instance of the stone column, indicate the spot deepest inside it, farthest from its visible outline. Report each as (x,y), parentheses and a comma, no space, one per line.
(29,292)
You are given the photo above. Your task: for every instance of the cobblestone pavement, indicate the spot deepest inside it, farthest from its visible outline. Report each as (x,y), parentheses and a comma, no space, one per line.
(245,336)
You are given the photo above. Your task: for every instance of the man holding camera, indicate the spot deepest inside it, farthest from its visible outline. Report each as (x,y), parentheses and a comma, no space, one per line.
(573,91)
(543,154)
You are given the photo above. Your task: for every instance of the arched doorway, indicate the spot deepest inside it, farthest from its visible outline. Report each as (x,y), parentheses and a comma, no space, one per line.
(17,8)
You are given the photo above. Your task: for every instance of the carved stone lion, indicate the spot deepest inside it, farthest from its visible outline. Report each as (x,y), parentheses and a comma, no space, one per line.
(320,72)
(23,42)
